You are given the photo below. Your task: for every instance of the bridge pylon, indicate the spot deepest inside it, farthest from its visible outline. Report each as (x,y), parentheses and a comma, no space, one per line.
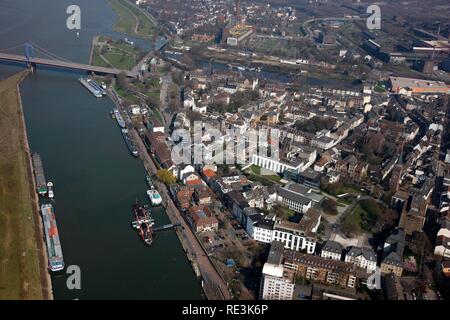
(29,53)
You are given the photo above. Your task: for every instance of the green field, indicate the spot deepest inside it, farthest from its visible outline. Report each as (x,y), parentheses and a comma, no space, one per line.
(116,54)
(19,264)
(132,20)
(268,179)
(359,221)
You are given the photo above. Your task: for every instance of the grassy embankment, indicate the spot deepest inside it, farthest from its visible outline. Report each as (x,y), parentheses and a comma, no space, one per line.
(132,20)
(115,54)
(19,261)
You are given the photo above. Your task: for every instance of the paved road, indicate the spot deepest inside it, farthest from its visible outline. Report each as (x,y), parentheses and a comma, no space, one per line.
(166,82)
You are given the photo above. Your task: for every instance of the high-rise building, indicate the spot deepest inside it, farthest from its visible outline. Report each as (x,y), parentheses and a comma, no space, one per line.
(277,281)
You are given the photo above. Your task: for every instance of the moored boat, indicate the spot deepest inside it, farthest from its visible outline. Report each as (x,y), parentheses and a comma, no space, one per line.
(96,86)
(39,175)
(143,222)
(55,256)
(149,181)
(119,119)
(51,194)
(92,89)
(129,142)
(154,196)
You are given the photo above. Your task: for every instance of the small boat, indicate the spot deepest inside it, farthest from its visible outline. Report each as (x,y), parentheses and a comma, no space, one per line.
(149,181)
(154,196)
(51,194)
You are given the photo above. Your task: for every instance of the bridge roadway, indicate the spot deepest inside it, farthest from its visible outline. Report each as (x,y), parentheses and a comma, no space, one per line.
(67,65)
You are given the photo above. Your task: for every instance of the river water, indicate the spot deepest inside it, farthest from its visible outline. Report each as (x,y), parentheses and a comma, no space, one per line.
(96,179)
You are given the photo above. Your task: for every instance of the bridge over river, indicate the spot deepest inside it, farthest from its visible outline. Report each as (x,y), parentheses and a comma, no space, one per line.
(65,65)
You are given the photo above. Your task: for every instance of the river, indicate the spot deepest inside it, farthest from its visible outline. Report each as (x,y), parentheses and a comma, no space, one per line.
(96,179)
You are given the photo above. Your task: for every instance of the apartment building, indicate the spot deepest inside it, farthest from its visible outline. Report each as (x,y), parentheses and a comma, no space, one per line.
(364,258)
(277,281)
(332,250)
(318,269)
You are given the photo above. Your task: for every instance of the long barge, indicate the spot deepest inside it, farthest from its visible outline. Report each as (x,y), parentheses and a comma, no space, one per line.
(91,89)
(129,142)
(55,256)
(96,86)
(119,118)
(39,176)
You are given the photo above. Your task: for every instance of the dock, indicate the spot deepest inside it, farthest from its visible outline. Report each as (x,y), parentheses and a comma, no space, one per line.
(167,227)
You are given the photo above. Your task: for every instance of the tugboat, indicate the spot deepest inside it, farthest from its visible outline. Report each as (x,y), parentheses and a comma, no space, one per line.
(154,196)
(51,194)
(143,222)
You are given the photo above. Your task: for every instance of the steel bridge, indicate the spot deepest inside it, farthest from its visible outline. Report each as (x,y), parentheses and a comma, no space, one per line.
(57,62)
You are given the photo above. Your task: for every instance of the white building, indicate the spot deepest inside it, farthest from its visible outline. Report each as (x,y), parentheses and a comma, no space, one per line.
(294,236)
(298,163)
(277,282)
(332,250)
(294,200)
(260,228)
(442,247)
(183,170)
(363,258)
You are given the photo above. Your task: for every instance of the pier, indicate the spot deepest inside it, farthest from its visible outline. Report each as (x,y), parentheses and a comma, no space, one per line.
(167,227)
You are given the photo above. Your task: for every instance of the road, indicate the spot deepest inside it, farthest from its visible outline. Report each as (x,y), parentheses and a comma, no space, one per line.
(166,82)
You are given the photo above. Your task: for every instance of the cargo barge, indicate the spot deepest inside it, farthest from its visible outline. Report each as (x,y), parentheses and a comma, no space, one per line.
(96,86)
(55,256)
(39,176)
(129,142)
(88,86)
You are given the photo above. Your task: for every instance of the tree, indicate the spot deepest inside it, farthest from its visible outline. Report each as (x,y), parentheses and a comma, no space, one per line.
(329,206)
(371,207)
(165,176)
(194,116)
(151,101)
(123,82)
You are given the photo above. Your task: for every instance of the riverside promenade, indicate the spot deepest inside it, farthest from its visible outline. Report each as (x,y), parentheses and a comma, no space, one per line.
(214,286)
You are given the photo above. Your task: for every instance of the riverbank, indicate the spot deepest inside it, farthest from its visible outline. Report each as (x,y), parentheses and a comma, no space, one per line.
(23,271)
(214,286)
(131,20)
